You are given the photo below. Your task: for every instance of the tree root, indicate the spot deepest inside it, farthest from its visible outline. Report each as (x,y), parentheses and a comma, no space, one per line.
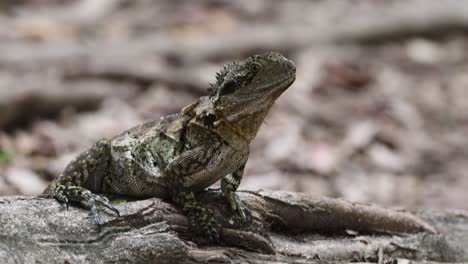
(286,228)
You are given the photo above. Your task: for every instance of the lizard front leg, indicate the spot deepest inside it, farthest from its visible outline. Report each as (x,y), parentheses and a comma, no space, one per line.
(182,173)
(229,185)
(69,186)
(201,219)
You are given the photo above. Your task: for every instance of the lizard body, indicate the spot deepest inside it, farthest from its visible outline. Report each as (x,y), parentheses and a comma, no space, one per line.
(179,155)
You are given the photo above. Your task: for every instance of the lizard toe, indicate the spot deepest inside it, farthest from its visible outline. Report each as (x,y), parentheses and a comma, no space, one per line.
(242,211)
(211,229)
(213,235)
(105,202)
(206,225)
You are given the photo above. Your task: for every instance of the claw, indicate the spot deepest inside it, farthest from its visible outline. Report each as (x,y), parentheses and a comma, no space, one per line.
(240,208)
(78,194)
(91,200)
(213,229)
(63,204)
(244,212)
(104,201)
(96,217)
(213,235)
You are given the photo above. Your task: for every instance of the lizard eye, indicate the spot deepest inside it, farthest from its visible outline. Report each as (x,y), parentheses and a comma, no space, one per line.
(256,67)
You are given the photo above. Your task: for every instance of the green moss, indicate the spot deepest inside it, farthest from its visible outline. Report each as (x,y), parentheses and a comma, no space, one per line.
(5,156)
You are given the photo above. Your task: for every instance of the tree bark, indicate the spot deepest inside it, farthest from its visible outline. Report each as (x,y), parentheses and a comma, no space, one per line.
(287,228)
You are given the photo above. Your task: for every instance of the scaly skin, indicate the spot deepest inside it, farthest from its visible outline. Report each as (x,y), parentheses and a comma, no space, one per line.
(177,156)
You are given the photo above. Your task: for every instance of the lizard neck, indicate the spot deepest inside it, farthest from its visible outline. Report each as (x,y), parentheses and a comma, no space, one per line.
(204,116)
(246,119)
(235,138)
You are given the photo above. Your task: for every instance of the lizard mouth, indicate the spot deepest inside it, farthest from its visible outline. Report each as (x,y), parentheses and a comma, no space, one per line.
(279,86)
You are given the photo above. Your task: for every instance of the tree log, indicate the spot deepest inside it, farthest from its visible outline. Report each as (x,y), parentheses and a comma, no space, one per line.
(287,228)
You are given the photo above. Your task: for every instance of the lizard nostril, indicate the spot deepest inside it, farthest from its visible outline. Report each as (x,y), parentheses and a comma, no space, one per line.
(291,66)
(288,65)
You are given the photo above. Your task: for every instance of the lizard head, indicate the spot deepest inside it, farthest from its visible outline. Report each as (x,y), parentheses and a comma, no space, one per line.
(245,91)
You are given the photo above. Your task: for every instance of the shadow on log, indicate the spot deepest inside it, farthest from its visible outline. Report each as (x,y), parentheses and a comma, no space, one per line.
(287,228)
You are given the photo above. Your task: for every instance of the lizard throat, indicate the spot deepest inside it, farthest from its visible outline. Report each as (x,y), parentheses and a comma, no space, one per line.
(230,133)
(245,119)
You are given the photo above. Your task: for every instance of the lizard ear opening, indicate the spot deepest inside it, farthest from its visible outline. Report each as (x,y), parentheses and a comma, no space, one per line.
(228,88)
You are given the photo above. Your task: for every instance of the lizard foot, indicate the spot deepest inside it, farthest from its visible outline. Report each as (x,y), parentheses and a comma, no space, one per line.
(239,207)
(202,220)
(205,224)
(65,194)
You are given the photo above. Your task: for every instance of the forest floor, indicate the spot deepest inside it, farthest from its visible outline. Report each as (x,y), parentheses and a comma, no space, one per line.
(378,112)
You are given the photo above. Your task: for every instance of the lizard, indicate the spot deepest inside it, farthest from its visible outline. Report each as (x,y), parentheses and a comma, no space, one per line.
(177,156)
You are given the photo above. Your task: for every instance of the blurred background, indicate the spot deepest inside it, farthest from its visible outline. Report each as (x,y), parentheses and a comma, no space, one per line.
(378,112)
